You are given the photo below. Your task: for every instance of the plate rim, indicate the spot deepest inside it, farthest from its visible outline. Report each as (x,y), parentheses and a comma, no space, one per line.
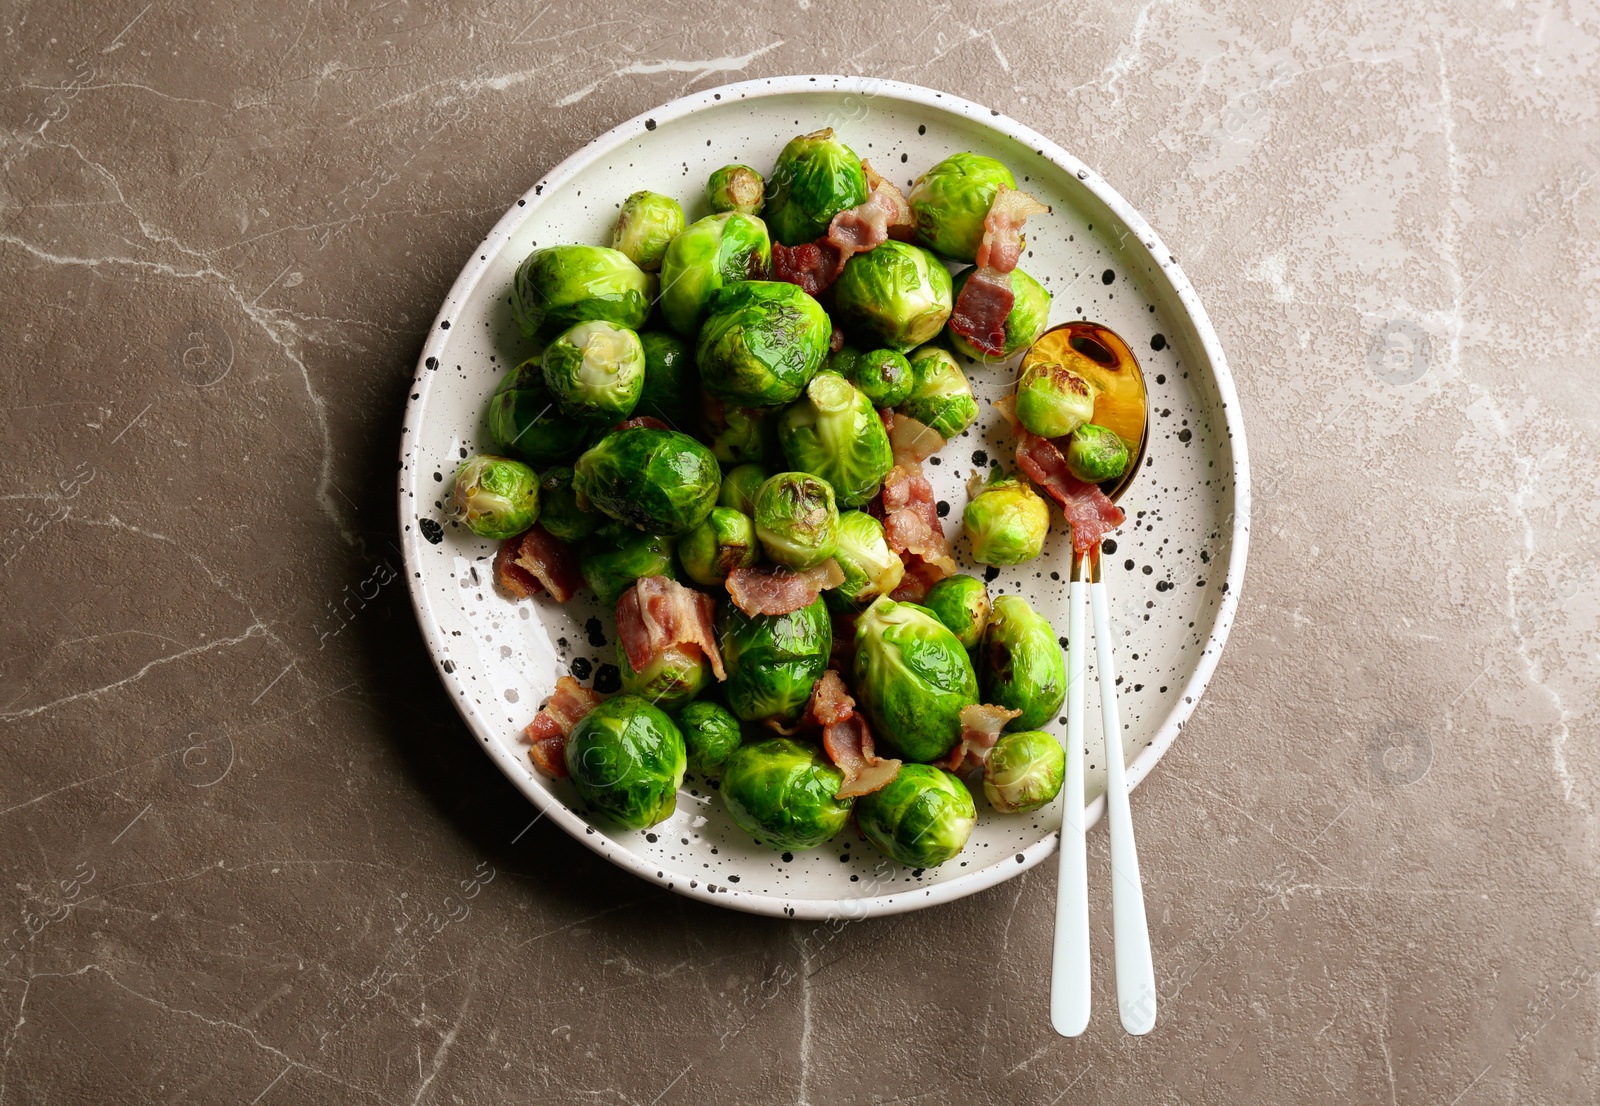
(522,776)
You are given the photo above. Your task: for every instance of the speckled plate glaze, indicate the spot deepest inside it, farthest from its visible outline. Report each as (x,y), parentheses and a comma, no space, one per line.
(1174,575)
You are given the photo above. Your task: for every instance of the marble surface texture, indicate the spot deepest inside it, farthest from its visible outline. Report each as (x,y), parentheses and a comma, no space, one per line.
(250,853)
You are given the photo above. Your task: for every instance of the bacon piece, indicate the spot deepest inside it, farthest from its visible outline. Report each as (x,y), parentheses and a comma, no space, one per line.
(867,225)
(846,738)
(835,340)
(548,732)
(537,561)
(1090,514)
(902,224)
(913,442)
(919,578)
(811,265)
(911,519)
(1001,246)
(658,612)
(772,589)
(981,726)
(981,309)
(641,420)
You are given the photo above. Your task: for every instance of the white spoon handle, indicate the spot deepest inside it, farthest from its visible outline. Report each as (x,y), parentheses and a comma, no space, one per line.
(1136,981)
(1069,978)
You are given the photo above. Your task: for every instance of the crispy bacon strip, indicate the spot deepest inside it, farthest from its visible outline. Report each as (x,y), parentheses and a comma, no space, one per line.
(658,612)
(902,225)
(548,732)
(811,265)
(981,726)
(537,561)
(846,738)
(773,590)
(814,266)
(1001,246)
(919,578)
(641,420)
(981,309)
(913,442)
(1090,514)
(911,527)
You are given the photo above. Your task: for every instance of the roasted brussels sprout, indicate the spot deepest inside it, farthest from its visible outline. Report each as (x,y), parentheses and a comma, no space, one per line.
(1052,400)
(726,540)
(796,519)
(961,603)
(673,676)
(671,384)
(897,295)
(614,556)
(738,434)
(525,420)
(762,342)
(596,370)
(496,497)
(833,432)
(781,793)
(559,512)
(884,377)
(710,735)
(1027,319)
(627,759)
(816,177)
(740,485)
(646,223)
(658,480)
(561,285)
(1095,454)
(1006,521)
(870,567)
(736,188)
(941,398)
(772,660)
(1024,771)
(1021,665)
(921,818)
(712,252)
(950,202)
(913,677)
(843,361)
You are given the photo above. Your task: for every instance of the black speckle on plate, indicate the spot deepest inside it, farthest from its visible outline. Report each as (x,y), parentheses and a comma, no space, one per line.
(1159,342)
(649,124)
(580,667)
(448,666)
(608,679)
(1108,276)
(431,530)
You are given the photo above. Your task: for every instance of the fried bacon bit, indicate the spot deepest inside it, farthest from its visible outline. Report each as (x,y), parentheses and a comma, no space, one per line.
(811,265)
(981,309)
(814,266)
(981,726)
(902,225)
(1090,514)
(548,732)
(536,561)
(913,442)
(649,421)
(658,612)
(846,738)
(774,590)
(1001,247)
(911,527)
(835,340)
(919,578)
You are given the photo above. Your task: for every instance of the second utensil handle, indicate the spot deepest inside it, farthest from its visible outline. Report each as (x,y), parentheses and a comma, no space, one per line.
(1069,976)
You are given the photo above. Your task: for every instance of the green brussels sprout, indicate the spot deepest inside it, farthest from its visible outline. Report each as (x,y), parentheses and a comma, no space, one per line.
(870,567)
(740,485)
(614,556)
(796,519)
(833,432)
(1024,771)
(1006,522)
(710,734)
(815,178)
(1021,665)
(627,759)
(712,252)
(596,370)
(782,793)
(1052,400)
(913,678)
(884,376)
(950,202)
(921,818)
(646,223)
(671,384)
(726,540)
(1095,454)
(658,480)
(673,677)
(898,295)
(772,660)
(495,497)
(736,188)
(525,421)
(843,361)
(961,604)
(1027,319)
(941,399)
(561,285)
(738,434)
(559,512)
(762,342)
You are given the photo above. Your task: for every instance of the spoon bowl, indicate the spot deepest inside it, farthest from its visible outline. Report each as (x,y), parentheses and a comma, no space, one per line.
(1121,404)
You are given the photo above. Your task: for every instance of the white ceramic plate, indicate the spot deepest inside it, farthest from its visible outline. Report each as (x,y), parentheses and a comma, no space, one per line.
(1188,512)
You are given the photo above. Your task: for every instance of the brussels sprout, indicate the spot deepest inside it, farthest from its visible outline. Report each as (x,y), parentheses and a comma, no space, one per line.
(1006,522)
(950,202)
(712,252)
(884,376)
(833,432)
(1052,400)
(870,567)
(1021,665)
(762,342)
(658,480)
(740,485)
(671,384)
(559,512)
(614,556)
(941,397)
(710,734)
(496,497)
(772,660)
(782,793)
(596,370)
(736,188)
(646,223)
(961,604)
(738,434)
(1027,319)
(843,361)
(796,519)
(626,758)
(815,178)
(673,677)
(1095,454)
(561,285)
(921,818)
(525,420)
(1024,771)
(912,679)
(896,295)
(726,540)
